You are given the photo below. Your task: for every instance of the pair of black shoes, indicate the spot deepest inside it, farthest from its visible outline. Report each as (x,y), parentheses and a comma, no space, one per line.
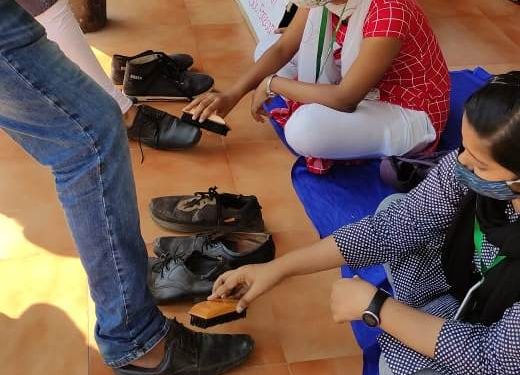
(194,353)
(156,76)
(186,267)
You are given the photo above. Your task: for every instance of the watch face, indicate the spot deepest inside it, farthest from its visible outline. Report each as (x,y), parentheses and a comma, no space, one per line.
(370,319)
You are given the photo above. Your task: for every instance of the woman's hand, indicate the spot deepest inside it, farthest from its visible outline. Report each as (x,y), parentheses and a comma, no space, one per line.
(246,283)
(206,105)
(349,298)
(259,98)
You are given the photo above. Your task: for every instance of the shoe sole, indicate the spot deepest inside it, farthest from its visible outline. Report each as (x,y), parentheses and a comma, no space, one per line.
(189,228)
(147,99)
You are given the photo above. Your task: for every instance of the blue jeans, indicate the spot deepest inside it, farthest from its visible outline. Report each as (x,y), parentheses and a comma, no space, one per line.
(67,122)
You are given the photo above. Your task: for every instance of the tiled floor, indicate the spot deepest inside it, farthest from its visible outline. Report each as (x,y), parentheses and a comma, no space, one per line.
(45,311)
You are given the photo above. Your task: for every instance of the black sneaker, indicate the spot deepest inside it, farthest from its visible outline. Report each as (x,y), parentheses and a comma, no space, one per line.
(160,130)
(194,353)
(237,248)
(183,62)
(174,279)
(157,78)
(208,212)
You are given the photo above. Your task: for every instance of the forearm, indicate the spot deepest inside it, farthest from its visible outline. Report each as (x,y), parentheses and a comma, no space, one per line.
(414,328)
(332,96)
(321,256)
(271,62)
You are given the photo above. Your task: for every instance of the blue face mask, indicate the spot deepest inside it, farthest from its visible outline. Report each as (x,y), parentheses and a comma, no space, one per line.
(499,190)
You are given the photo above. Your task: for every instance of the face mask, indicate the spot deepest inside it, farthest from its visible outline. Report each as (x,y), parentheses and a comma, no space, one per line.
(499,190)
(310,3)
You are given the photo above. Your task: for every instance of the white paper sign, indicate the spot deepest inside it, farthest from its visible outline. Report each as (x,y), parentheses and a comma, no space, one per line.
(264,15)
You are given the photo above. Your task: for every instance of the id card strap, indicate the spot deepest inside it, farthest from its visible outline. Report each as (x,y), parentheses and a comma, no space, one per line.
(321,41)
(467,300)
(478,239)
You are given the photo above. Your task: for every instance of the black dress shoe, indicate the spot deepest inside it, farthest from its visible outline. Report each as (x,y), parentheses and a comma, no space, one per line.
(160,130)
(157,78)
(208,212)
(237,248)
(193,353)
(183,62)
(173,279)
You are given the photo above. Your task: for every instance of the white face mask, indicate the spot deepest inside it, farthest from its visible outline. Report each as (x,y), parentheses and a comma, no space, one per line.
(310,3)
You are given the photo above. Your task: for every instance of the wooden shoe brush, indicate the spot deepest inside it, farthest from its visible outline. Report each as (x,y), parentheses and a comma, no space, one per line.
(214,123)
(211,313)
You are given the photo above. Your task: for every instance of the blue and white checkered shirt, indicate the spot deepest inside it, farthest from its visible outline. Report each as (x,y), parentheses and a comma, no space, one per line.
(410,235)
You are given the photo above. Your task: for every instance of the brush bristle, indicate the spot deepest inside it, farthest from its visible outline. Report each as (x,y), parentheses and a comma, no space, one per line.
(226,318)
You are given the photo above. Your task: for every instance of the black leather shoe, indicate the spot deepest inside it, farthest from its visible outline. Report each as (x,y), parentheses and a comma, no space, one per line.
(173,279)
(183,62)
(160,130)
(237,248)
(193,353)
(157,78)
(208,212)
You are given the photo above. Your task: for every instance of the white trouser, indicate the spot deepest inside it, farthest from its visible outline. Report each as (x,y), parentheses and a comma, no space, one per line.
(374,129)
(62,28)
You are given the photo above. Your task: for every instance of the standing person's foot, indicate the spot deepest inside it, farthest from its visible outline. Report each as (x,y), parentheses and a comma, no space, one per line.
(181,60)
(192,353)
(157,77)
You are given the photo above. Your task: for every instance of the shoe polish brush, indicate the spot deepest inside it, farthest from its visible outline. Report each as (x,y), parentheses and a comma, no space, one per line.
(214,123)
(211,313)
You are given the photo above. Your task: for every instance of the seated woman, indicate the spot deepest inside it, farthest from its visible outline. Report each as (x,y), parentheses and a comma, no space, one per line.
(453,248)
(362,79)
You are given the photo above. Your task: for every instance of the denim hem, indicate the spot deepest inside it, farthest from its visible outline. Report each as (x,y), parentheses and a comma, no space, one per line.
(142,350)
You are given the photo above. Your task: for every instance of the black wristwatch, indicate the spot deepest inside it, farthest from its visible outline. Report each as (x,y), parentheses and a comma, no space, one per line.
(371,314)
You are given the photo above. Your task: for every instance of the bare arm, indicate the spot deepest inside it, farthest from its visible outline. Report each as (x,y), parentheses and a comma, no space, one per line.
(275,57)
(375,58)
(273,60)
(414,328)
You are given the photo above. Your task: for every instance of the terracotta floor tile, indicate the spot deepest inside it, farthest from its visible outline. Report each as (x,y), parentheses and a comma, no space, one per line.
(218,12)
(281,208)
(510,25)
(261,324)
(164,174)
(497,8)
(450,8)
(43,313)
(44,286)
(262,370)
(244,128)
(321,337)
(463,44)
(28,196)
(334,366)
(293,240)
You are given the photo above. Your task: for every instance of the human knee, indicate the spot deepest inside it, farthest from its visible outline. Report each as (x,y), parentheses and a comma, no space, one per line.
(302,131)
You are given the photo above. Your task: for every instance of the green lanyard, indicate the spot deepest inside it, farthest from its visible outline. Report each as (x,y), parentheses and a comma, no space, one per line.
(321,40)
(478,239)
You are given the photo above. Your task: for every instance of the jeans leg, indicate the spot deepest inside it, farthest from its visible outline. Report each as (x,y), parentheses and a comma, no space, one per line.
(67,122)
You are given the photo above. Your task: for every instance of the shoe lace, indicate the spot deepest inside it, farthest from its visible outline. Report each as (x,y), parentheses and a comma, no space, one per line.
(202,195)
(166,261)
(152,119)
(172,71)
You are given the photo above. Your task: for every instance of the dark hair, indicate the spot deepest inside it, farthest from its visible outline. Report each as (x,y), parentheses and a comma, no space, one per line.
(494,112)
